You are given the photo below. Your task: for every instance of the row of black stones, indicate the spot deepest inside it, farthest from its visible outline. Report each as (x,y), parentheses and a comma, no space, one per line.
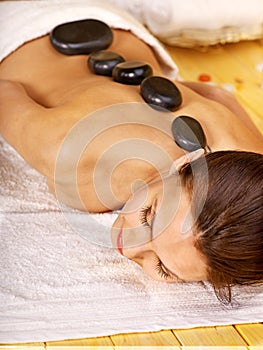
(90,37)
(158,92)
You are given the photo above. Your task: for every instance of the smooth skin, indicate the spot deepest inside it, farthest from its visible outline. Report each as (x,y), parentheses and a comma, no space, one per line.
(44,94)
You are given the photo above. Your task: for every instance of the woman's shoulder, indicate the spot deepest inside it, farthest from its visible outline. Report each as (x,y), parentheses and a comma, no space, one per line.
(224,119)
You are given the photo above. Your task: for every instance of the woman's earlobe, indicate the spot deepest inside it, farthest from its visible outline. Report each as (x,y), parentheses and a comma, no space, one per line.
(186,158)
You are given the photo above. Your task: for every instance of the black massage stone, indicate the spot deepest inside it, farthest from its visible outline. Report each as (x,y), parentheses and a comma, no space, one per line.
(103,62)
(188,134)
(160,93)
(131,72)
(81,37)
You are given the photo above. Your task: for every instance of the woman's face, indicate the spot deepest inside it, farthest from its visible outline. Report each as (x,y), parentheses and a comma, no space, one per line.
(154,230)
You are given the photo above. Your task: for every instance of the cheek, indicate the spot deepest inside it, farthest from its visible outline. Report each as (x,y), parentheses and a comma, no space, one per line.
(131,217)
(136,241)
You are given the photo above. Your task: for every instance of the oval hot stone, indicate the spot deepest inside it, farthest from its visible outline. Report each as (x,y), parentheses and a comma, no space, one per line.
(161,93)
(81,37)
(103,62)
(188,133)
(131,72)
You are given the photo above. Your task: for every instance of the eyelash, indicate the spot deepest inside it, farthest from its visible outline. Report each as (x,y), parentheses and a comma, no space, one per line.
(143,216)
(143,219)
(159,268)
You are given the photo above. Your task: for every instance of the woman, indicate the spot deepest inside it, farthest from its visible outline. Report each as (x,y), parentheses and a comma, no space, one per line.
(193,225)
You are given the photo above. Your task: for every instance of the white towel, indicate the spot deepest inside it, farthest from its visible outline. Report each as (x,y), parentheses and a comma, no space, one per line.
(198,22)
(55,284)
(21,21)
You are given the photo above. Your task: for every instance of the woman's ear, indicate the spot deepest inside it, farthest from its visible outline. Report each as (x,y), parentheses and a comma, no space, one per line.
(187,158)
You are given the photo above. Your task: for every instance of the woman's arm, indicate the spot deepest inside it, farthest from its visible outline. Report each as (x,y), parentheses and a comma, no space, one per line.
(23,123)
(227,99)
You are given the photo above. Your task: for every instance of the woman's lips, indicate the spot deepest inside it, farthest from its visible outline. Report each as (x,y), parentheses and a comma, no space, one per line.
(119,242)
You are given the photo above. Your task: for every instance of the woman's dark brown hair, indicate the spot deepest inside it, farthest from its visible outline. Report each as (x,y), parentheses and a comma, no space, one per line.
(229,229)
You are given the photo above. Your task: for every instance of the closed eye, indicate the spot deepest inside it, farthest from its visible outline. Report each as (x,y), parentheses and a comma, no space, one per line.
(144,213)
(160,270)
(165,273)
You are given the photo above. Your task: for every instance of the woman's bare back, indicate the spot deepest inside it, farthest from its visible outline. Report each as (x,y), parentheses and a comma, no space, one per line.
(59,91)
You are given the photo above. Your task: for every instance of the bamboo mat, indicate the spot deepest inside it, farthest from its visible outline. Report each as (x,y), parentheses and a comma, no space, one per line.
(238,68)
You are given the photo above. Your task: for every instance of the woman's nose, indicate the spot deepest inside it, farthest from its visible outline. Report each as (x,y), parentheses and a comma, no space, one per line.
(137,238)
(138,248)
